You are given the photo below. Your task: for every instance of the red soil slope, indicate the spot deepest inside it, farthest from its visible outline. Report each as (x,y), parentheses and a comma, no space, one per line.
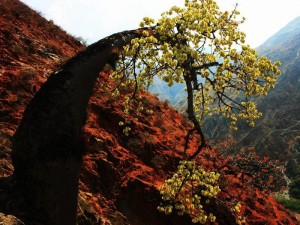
(120,175)
(30,48)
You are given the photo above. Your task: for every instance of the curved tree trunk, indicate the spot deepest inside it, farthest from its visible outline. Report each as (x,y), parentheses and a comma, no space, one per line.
(47,149)
(192,117)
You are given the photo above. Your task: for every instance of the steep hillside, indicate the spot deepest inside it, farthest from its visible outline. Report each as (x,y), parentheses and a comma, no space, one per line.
(30,49)
(120,175)
(277,132)
(279,129)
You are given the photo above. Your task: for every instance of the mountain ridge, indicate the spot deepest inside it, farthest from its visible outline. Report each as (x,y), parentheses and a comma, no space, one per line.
(287,32)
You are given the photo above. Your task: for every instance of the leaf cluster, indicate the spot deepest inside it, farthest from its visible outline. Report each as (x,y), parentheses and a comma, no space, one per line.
(202,45)
(189,190)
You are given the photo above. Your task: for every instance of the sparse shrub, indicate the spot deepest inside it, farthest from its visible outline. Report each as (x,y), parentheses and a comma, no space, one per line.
(158,162)
(81,40)
(143,147)
(28,73)
(292,204)
(166,103)
(18,49)
(295,188)
(159,120)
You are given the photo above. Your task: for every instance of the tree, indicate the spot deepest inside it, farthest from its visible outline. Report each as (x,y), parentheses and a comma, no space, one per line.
(201,46)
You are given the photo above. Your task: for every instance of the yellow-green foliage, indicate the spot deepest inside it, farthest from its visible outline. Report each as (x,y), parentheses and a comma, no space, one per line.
(188,190)
(201,42)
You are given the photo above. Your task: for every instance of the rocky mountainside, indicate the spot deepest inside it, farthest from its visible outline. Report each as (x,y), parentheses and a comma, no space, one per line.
(120,175)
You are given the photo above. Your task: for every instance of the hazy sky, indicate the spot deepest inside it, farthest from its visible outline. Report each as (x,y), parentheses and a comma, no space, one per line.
(95,19)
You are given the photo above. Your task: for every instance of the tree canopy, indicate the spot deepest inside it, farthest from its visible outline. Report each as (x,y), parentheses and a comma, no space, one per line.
(201,46)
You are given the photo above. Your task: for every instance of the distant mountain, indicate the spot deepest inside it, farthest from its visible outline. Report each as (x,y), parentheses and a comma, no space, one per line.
(172,94)
(284,34)
(284,45)
(277,133)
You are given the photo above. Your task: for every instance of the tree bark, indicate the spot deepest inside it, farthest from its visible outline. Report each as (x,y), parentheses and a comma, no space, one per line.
(47,147)
(192,116)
